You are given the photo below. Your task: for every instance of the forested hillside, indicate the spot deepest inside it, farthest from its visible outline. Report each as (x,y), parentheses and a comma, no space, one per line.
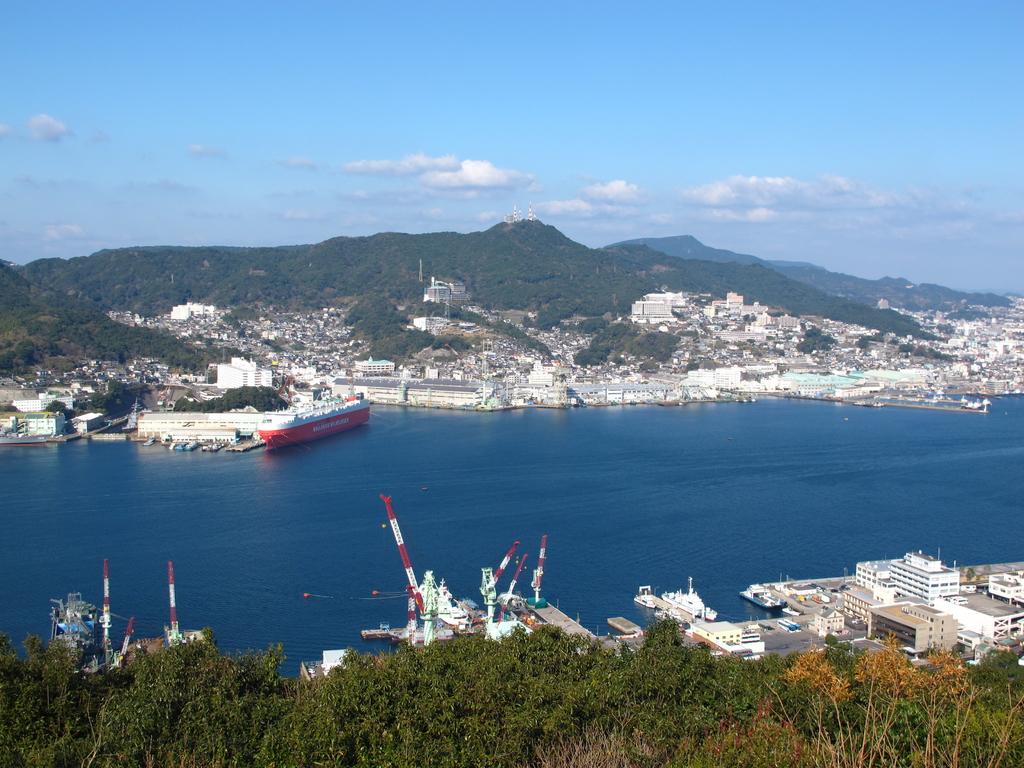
(527,265)
(545,699)
(898,291)
(43,328)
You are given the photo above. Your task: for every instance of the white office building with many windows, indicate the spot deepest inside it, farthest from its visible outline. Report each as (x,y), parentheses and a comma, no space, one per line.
(872,574)
(243,373)
(371,367)
(925,577)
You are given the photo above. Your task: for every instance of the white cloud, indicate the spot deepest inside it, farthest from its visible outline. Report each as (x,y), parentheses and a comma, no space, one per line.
(475,174)
(384,197)
(759,214)
(410,165)
(5,130)
(160,186)
(616,191)
(786,192)
(578,208)
(445,173)
(205,150)
(294,214)
(43,127)
(573,207)
(302,163)
(54,232)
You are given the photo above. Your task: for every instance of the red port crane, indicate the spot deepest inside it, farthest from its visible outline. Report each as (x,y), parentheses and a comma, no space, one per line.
(127,639)
(415,598)
(511,587)
(505,561)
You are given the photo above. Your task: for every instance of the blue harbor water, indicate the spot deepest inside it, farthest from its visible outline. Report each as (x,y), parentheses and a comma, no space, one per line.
(727,494)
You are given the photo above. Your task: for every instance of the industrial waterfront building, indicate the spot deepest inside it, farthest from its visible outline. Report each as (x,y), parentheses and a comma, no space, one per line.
(201,427)
(1008,587)
(42,424)
(88,422)
(431,393)
(917,627)
(990,618)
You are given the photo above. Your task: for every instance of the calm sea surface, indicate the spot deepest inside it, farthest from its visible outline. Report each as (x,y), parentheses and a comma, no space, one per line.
(728,494)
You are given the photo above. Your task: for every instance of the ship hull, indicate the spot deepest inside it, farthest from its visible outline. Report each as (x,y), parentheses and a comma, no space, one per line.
(761,603)
(23,440)
(314,430)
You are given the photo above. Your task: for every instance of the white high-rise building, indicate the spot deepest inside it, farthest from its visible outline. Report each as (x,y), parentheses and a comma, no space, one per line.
(189,310)
(453,291)
(657,307)
(925,577)
(644,311)
(243,373)
(872,574)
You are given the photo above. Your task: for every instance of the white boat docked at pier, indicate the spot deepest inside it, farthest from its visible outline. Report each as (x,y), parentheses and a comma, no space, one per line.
(678,605)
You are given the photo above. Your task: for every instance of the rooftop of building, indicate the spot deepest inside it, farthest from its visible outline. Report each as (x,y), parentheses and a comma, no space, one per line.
(988,605)
(421,385)
(875,565)
(716,627)
(187,416)
(1008,579)
(923,561)
(89,416)
(925,608)
(898,613)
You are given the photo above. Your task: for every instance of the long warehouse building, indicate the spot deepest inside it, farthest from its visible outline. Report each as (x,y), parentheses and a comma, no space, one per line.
(431,393)
(203,427)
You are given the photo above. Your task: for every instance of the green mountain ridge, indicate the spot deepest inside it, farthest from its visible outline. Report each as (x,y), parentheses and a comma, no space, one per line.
(898,291)
(528,265)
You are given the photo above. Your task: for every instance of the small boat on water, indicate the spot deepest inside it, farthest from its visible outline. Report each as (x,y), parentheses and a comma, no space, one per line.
(150,442)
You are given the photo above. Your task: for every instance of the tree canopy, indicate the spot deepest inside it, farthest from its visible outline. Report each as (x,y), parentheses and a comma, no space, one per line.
(544,699)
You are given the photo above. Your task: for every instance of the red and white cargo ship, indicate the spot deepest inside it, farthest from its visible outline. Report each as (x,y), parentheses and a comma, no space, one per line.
(321,419)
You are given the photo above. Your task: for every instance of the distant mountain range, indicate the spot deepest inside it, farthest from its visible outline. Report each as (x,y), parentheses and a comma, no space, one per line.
(41,328)
(528,265)
(898,291)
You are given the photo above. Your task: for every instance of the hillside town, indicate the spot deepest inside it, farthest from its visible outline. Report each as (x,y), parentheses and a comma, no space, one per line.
(710,348)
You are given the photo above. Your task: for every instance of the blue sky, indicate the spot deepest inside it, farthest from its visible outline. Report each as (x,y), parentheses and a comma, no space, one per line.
(875,138)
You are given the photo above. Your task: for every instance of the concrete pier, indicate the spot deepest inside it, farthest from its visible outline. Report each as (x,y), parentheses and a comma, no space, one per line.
(553,616)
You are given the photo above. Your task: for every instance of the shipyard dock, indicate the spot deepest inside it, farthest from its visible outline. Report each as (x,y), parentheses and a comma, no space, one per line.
(553,616)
